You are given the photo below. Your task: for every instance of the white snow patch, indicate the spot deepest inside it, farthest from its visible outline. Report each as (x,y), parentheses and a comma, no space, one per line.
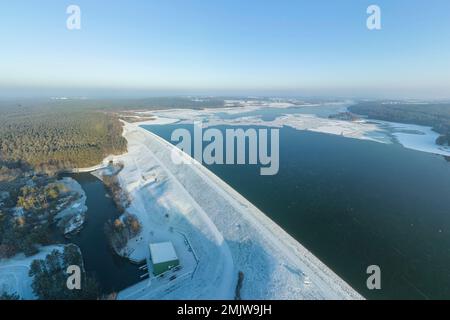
(72,218)
(162,252)
(156,120)
(416,137)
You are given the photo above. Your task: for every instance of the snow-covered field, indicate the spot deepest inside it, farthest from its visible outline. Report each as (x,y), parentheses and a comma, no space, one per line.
(216,234)
(14,273)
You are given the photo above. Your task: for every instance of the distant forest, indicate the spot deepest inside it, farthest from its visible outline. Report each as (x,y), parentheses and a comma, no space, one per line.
(54,134)
(50,137)
(436,115)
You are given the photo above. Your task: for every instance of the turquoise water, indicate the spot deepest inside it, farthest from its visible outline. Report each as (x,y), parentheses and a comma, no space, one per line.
(356,203)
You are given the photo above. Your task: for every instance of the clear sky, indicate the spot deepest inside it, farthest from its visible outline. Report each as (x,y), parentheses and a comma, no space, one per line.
(314,47)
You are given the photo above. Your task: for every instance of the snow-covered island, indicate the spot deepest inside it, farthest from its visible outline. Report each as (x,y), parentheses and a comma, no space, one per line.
(72,209)
(226,247)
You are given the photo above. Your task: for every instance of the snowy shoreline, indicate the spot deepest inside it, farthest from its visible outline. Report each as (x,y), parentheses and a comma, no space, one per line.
(226,231)
(314,118)
(72,218)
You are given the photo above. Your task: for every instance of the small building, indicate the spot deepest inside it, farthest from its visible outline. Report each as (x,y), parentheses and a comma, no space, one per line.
(163,257)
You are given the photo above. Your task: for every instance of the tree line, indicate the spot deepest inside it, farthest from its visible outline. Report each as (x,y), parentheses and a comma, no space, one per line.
(51,139)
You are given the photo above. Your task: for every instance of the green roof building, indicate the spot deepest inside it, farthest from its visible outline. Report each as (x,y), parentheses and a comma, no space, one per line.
(163,257)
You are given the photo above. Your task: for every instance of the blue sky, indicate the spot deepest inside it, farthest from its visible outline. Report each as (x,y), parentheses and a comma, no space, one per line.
(319,47)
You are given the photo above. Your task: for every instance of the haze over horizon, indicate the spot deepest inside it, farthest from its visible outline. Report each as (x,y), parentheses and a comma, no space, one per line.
(284,48)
